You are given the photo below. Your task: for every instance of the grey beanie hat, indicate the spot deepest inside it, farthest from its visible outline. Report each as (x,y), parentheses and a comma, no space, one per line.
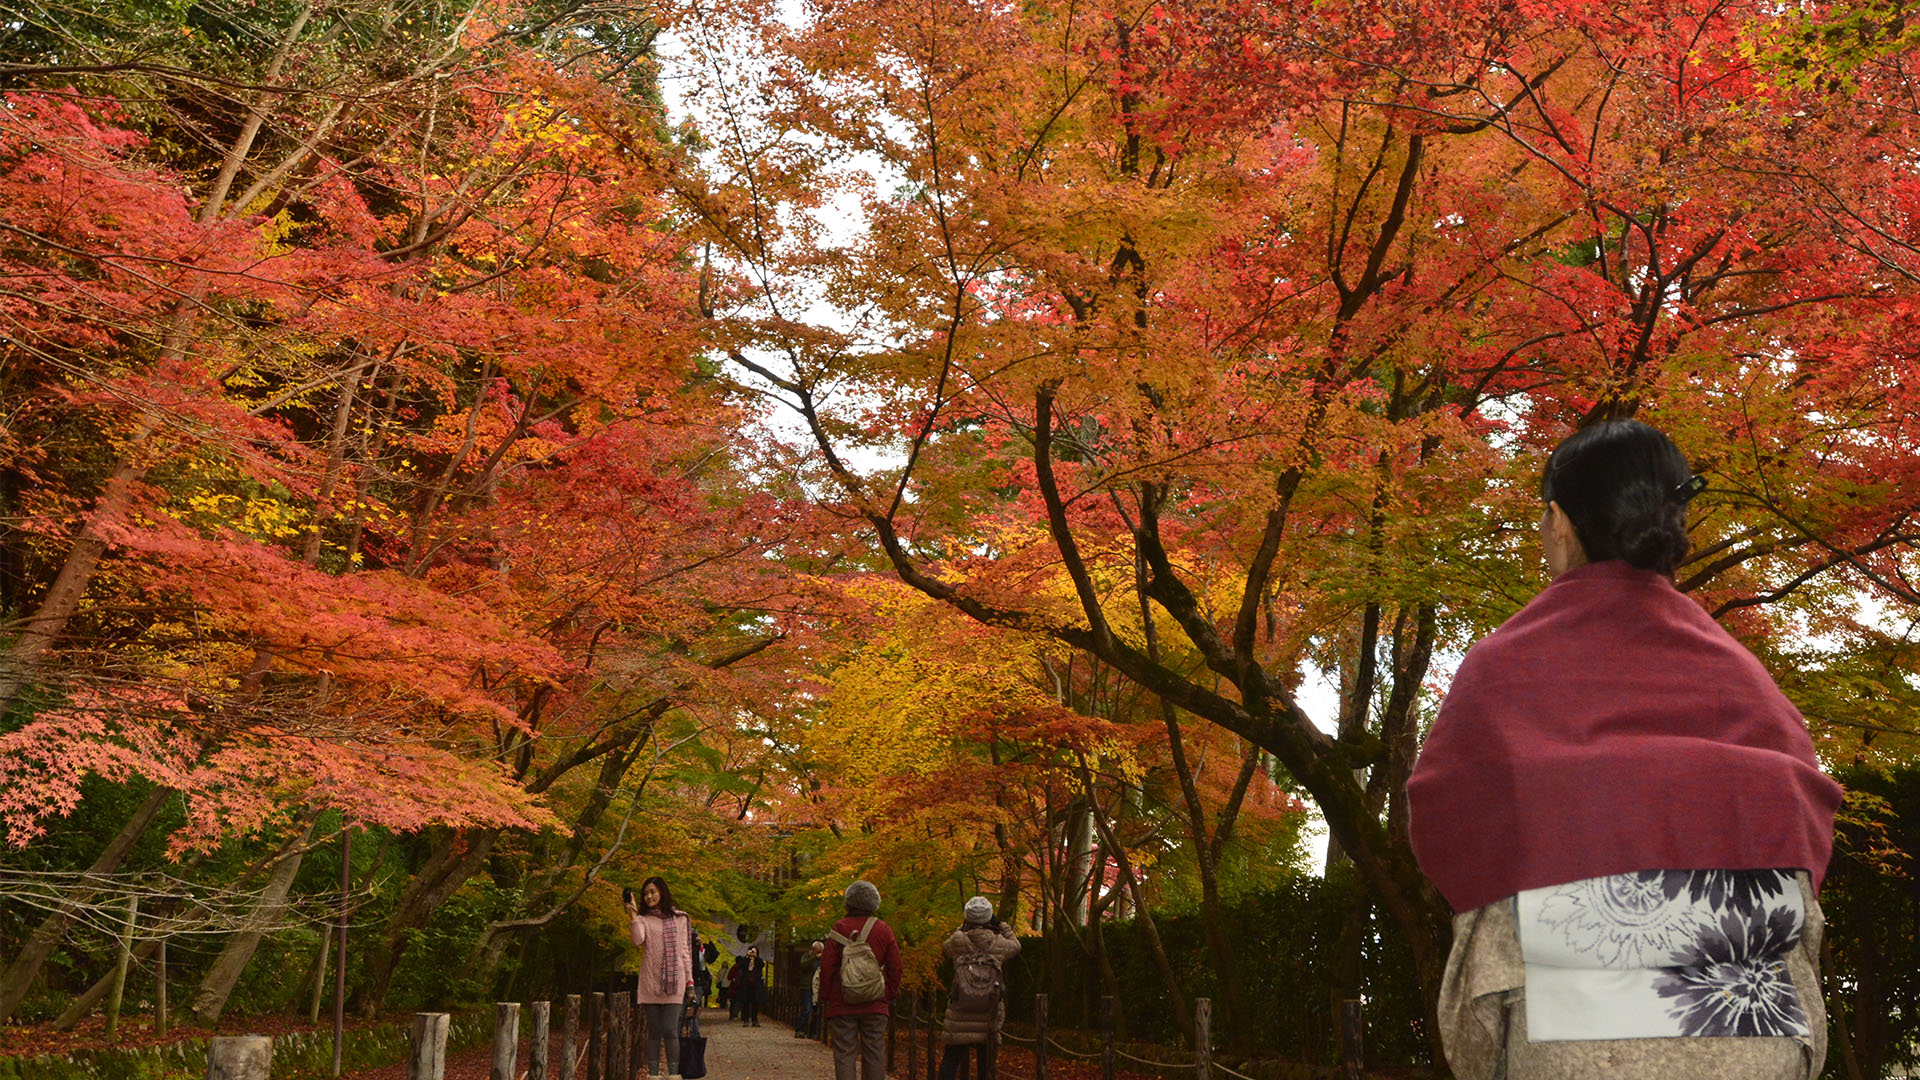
(863,898)
(979,911)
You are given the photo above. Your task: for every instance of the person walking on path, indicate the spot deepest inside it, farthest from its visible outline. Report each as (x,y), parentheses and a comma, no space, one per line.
(1624,811)
(976,1003)
(859,978)
(750,985)
(702,978)
(810,1006)
(665,938)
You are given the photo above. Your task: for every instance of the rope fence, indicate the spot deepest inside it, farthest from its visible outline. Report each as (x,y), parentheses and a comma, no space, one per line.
(1110,1053)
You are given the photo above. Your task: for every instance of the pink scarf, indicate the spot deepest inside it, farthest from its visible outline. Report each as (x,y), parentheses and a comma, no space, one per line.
(671,942)
(1612,726)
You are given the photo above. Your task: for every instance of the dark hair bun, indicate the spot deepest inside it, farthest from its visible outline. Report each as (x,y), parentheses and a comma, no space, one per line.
(1620,481)
(1656,540)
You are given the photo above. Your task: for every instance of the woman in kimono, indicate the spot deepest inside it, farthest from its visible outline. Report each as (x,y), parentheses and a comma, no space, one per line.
(1624,811)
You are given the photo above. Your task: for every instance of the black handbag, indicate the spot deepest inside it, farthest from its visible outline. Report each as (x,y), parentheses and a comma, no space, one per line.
(693,1053)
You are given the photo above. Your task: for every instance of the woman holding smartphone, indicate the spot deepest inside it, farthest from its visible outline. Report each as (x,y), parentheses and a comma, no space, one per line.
(664,936)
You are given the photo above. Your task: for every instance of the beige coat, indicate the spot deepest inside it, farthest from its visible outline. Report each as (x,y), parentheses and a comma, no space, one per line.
(977,1029)
(1483,1018)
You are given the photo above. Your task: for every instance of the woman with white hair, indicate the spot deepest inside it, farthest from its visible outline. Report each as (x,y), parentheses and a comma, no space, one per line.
(976,1003)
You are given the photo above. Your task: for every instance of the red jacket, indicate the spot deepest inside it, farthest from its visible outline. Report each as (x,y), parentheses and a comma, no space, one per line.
(885,949)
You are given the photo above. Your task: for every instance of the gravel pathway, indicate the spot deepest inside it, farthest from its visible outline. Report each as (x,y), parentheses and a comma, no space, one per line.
(768,1052)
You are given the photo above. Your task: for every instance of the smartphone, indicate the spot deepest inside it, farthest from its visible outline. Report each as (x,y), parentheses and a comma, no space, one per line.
(626,895)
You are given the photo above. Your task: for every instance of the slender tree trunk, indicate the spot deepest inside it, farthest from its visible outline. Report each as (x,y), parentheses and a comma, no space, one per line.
(210,1000)
(1207,846)
(1108,978)
(49,621)
(52,930)
(1143,917)
(317,978)
(81,1006)
(455,859)
(62,599)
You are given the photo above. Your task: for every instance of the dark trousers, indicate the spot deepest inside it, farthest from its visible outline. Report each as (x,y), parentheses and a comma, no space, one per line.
(750,1005)
(953,1062)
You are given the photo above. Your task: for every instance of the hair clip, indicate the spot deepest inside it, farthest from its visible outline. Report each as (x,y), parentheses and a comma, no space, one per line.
(1686,489)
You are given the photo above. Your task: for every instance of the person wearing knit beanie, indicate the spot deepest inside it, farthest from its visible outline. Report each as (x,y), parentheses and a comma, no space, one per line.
(976,1008)
(859,1027)
(978,911)
(862,898)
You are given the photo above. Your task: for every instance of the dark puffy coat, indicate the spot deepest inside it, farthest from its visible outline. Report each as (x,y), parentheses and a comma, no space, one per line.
(970,1028)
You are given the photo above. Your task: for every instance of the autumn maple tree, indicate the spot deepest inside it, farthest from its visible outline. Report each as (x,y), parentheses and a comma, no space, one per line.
(936,446)
(360,465)
(1258,318)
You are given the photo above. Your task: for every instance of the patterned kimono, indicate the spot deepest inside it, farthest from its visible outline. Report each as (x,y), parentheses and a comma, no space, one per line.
(1697,974)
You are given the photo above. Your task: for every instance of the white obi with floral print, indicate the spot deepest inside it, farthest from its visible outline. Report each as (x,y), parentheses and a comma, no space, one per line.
(1662,953)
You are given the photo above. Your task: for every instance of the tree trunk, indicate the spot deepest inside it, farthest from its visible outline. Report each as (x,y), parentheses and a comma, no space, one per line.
(210,1000)
(458,857)
(52,930)
(49,622)
(317,978)
(1207,846)
(1143,918)
(62,599)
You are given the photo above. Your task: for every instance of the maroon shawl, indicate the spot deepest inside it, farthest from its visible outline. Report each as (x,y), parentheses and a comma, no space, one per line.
(1611,726)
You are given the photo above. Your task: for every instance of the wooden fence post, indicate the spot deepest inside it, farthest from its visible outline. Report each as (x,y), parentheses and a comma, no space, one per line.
(1039,1037)
(933,1010)
(636,1021)
(427,1047)
(570,1038)
(160,989)
(913,1036)
(1107,1061)
(891,1028)
(340,958)
(620,1055)
(1352,1041)
(596,1016)
(1203,1038)
(506,1039)
(239,1057)
(537,1048)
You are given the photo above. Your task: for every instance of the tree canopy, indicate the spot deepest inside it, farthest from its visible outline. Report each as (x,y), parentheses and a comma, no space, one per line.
(936,450)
